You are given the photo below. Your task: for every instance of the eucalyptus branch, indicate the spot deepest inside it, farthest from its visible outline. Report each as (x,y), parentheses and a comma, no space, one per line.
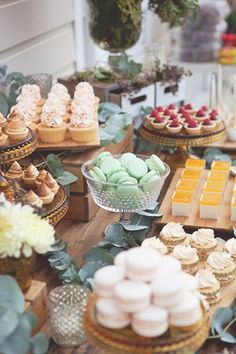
(224,330)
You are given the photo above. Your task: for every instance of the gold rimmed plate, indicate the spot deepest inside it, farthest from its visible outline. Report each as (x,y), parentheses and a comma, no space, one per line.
(57,209)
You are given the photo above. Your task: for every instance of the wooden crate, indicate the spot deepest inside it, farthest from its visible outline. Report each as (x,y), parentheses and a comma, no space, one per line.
(36,301)
(81,207)
(74,162)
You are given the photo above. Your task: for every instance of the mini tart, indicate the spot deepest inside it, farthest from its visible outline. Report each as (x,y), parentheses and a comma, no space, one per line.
(52,135)
(193,131)
(171,240)
(30,175)
(230,247)
(149,118)
(174,130)
(226,275)
(3,138)
(3,121)
(41,177)
(208,128)
(16,129)
(83,134)
(157,125)
(15,172)
(34,199)
(51,183)
(209,286)
(203,249)
(189,264)
(45,194)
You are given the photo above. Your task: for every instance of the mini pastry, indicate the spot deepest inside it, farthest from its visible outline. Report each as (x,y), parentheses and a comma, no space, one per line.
(189,109)
(108,314)
(195,164)
(156,244)
(52,129)
(172,108)
(166,114)
(41,177)
(150,117)
(213,187)
(3,121)
(174,127)
(45,194)
(30,175)
(193,127)
(34,199)
(15,172)
(191,174)
(221,166)
(214,117)
(230,247)
(188,257)
(210,205)
(16,129)
(51,183)
(170,265)
(158,122)
(172,234)
(3,138)
(181,203)
(159,109)
(200,115)
(137,168)
(209,286)
(186,185)
(151,322)
(204,241)
(223,267)
(154,163)
(208,125)
(106,278)
(217,176)
(131,296)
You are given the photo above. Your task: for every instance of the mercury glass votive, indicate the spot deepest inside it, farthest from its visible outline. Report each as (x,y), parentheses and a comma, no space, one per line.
(67,304)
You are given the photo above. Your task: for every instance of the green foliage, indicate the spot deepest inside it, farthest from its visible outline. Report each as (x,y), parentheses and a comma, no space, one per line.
(16,324)
(123,65)
(211,154)
(221,323)
(231,21)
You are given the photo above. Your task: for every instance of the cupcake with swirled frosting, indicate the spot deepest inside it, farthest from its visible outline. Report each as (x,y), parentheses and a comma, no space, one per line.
(172,234)
(204,241)
(222,266)
(209,286)
(156,244)
(188,257)
(84,92)
(230,247)
(16,129)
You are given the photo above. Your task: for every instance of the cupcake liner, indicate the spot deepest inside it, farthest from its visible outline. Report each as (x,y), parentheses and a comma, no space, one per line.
(83,135)
(52,135)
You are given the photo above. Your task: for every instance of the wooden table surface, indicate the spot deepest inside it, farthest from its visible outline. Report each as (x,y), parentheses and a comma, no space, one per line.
(80,238)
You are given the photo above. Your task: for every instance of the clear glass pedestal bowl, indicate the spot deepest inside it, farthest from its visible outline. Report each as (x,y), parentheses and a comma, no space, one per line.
(124,198)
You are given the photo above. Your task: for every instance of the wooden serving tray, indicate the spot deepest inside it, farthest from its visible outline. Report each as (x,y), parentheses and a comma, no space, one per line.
(193,221)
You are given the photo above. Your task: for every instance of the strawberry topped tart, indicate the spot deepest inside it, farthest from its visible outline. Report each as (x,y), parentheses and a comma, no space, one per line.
(208,125)
(159,122)
(174,126)
(193,127)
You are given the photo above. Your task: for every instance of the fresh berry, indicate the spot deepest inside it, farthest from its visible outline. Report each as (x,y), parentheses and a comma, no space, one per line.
(192,123)
(174,123)
(159,119)
(173,117)
(207,121)
(154,113)
(181,110)
(188,118)
(200,113)
(188,106)
(159,109)
(214,112)
(167,112)
(186,115)
(171,106)
(204,108)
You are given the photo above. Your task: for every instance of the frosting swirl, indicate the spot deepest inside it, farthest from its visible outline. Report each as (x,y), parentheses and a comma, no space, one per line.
(230,246)
(203,236)
(173,229)
(31,90)
(55,106)
(206,279)
(185,253)
(156,244)
(82,115)
(61,92)
(51,119)
(219,260)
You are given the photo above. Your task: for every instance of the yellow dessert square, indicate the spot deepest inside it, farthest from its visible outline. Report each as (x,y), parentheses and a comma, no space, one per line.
(191,175)
(233,209)
(186,185)
(220,166)
(217,176)
(195,164)
(210,205)
(213,187)
(181,203)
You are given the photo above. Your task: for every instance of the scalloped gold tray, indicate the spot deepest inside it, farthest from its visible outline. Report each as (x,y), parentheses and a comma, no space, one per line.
(126,341)
(57,209)
(18,151)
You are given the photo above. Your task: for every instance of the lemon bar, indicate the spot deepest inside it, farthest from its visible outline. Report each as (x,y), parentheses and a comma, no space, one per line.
(181,203)
(193,175)
(220,166)
(210,205)
(195,164)
(233,209)
(213,187)
(217,176)
(186,185)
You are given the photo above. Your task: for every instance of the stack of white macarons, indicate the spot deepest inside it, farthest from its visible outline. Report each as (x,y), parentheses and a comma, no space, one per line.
(148,291)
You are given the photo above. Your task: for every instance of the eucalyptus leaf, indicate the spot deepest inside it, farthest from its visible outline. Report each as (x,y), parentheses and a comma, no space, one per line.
(221,317)
(8,322)
(131,227)
(150,215)
(66,178)
(112,129)
(90,283)
(115,251)
(88,270)
(96,254)
(3,69)
(108,108)
(54,165)
(29,320)
(130,241)
(228,338)
(15,301)
(39,344)
(3,104)
(139,236)
(114,234)
(223,157)
(119,136)
(18,342)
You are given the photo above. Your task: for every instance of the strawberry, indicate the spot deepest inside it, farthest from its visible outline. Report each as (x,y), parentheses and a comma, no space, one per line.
(154,113)
(174,123)
(188,106)
(159,109)
(171,106)
(173,117)
(159,119)
(182,110)
(200,113)
(167,112)
(192,123)
(207,121)
(204,108)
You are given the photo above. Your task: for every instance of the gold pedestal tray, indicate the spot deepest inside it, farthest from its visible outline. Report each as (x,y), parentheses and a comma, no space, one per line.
(13,152)
(57,209)
(182,141)
(126,341)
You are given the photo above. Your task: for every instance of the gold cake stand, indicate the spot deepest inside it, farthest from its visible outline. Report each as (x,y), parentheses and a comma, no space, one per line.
(57,209)
(126,341)
(181,141)
(13,152)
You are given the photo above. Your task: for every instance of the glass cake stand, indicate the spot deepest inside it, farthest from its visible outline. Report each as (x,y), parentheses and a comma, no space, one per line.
(181,141)
(131,198)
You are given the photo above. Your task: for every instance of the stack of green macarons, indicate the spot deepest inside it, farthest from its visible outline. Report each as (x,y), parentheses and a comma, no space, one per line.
(129,172)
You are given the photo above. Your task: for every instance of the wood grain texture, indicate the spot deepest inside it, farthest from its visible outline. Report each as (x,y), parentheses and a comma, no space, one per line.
(223,223)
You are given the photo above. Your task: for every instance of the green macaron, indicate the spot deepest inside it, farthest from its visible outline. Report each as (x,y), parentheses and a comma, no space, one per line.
(116,175)
(148,179)
(101,157)
(126,158)
(110,164)
(154,163)
(97,174)
(127,179)
(137,168)
(127,188)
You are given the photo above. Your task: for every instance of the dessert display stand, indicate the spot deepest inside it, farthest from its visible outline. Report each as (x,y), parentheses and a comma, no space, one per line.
(181,141)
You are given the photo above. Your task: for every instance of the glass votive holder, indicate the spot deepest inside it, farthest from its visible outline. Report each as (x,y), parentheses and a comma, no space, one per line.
(67,304)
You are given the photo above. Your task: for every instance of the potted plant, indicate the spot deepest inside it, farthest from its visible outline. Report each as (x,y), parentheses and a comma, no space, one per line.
(22,234)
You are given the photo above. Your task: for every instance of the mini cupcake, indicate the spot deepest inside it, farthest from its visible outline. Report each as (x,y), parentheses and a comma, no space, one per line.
(174,127)
(189,109)
(34,199)
(204,241)
(192,127)
(3,138)
(209,286)
(15,172)
(208,125)
(156,244)
(188,257)
(45,194)
(3,121)
(200,115)
(16,129)
(30,175)
(222,266)
(158,122)
(172,234)
(51,183)
(41,177)
(230,247)
(52,129)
